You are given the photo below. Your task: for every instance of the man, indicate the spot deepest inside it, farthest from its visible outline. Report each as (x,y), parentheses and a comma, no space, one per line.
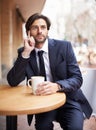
(62,75)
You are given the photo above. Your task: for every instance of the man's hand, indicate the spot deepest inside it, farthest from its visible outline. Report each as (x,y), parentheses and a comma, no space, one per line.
(29,44)
(47,88)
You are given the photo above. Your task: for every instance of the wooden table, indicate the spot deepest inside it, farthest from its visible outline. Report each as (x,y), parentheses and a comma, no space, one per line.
(19,100)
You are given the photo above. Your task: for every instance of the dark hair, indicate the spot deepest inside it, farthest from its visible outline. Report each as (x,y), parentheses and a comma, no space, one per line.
(34,17)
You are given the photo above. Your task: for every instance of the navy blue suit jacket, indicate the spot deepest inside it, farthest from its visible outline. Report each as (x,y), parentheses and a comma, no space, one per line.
(64,68)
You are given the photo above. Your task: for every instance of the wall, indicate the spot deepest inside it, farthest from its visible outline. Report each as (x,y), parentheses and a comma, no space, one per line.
(10,35)
(0,39)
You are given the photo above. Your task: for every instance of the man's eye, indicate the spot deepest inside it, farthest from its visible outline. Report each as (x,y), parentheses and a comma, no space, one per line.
(43,27)
(34,27)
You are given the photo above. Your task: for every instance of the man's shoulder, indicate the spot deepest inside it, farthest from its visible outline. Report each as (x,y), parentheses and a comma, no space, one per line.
(59,42)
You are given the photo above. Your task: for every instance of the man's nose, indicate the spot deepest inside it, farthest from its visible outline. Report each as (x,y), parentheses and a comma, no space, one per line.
(39,29)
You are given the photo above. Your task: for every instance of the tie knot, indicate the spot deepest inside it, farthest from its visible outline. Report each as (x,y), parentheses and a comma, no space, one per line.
(40,53)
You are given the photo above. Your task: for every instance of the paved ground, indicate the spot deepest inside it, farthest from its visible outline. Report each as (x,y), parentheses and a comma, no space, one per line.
(22,124)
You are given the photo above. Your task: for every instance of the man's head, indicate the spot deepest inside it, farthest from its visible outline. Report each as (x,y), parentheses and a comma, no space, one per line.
(34,17)
(38,25)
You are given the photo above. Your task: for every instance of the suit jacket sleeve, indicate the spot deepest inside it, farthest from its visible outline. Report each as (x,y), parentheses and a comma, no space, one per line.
(71,78)
(18,72)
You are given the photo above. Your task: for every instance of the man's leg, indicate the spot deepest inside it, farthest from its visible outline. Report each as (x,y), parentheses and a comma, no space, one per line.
(44,120)
(70,117)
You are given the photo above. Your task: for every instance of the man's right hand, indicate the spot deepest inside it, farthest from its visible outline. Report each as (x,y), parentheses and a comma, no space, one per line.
(29,45)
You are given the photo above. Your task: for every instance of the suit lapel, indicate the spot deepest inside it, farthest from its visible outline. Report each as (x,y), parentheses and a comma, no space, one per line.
(52,55)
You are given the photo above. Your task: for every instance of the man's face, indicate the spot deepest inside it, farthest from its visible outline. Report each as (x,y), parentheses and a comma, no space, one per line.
(39,30)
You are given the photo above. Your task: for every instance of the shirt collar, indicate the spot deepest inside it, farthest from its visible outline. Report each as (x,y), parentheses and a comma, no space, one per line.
(44,48)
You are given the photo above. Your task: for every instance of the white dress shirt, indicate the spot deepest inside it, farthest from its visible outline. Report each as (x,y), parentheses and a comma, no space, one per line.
(46,60)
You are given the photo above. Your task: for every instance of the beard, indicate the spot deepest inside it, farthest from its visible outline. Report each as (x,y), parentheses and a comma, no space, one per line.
(40,38)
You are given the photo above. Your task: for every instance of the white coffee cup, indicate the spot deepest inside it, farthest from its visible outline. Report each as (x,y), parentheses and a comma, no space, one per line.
(35,80)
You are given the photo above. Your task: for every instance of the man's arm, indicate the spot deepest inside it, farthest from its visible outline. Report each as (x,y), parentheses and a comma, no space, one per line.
(73,80)
(18,72)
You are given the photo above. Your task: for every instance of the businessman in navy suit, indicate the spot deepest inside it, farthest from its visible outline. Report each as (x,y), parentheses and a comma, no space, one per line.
(62,75)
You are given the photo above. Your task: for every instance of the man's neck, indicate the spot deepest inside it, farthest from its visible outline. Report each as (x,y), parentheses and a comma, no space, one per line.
(39,45)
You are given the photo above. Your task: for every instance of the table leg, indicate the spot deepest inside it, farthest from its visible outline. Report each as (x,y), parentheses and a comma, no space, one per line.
(11,122)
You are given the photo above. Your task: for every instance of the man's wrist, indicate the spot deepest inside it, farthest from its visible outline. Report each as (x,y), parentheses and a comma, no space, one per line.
(25,55)
(59,87)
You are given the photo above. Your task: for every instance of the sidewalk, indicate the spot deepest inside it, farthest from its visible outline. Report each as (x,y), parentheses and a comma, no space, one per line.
(23,125)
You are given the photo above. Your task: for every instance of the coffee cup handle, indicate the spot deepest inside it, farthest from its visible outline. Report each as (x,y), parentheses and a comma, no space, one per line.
(29,83)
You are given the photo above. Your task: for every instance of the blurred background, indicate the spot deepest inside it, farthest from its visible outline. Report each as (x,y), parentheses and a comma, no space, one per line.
(71,20)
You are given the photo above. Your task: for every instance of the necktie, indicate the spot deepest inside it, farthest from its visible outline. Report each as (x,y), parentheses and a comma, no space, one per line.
(41,64)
